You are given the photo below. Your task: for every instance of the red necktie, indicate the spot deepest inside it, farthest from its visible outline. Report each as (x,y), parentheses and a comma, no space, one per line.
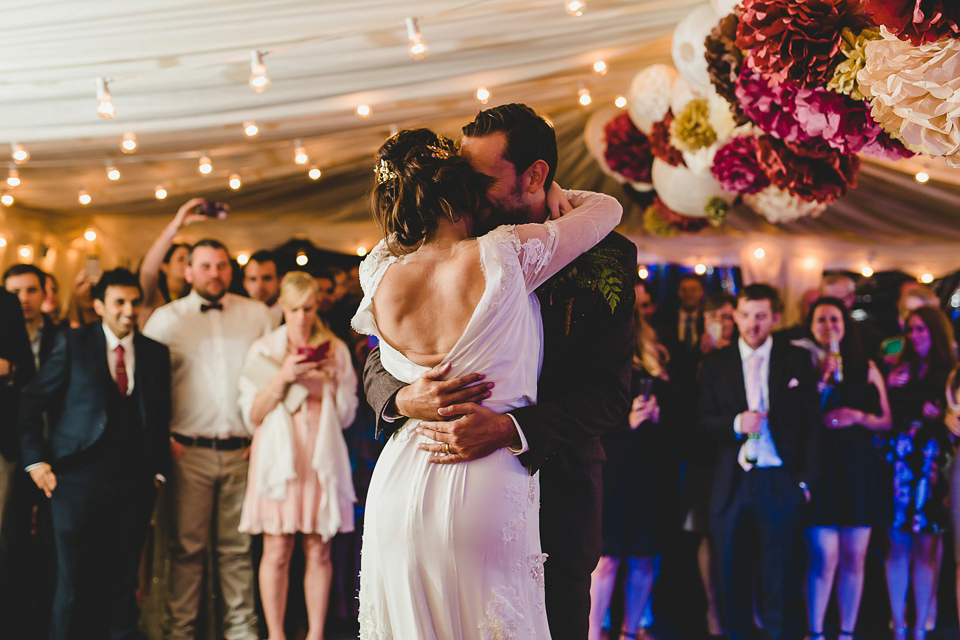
(121,371)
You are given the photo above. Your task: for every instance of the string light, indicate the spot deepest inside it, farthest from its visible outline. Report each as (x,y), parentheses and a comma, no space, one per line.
(84,199)
(643,273)
(13,178)
(259,80)
(25,252)
(759,253)
(418,49)
(585,98)
(363,111)
(866,271)
(361,251)
(19,154)
(3,242)
(90,235)
(113,174)
(575,7)
(922,177)
(299,153)
(159,192)
(926,278)
(7,200)
(105,106)
(301,258)
(700,269)
(483,95)
(235,182)
(205,166)
(128,144)
(314,173)
(242,259)
(620,102)
(600,67)
(250,129)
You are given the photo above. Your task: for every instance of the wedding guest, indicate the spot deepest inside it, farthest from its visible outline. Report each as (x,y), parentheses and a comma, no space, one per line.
(17,367)
(300,478)
(913,295)
(162,272)
(679,324)
(844,288)
(261,282)
(51,300)
(917,451)
(840,516)
(952,420)
(638,506)
(209,332)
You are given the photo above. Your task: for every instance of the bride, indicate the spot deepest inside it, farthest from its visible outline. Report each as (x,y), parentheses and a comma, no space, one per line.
(453,551)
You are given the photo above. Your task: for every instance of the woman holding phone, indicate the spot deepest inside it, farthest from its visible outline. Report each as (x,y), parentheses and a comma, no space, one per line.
(298,391)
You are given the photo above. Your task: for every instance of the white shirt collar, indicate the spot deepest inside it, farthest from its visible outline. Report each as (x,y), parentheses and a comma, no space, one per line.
(196,299)
(113,340)
(763,350)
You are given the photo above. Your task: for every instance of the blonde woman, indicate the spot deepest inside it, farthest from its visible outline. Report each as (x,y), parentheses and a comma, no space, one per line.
(297,393)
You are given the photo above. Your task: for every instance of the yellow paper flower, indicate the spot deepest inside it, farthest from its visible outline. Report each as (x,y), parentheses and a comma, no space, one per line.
(915,93)
(690,129)
(656,225)
(845,75)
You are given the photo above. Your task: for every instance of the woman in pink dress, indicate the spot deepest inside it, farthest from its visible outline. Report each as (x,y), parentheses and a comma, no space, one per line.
(298,391)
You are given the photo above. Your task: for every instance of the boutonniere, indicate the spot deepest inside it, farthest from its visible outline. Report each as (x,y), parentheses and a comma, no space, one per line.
(596,270)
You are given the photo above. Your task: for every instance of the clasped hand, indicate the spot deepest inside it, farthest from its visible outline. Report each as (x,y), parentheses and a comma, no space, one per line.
(643,410)
(750,421)
(44,478)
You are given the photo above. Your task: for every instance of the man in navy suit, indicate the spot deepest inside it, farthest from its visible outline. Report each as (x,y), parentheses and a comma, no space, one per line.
(106,390)
(759,403)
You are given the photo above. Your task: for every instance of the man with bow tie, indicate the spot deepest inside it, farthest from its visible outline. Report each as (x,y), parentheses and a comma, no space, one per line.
(106,391)
(759,404)
(208,332)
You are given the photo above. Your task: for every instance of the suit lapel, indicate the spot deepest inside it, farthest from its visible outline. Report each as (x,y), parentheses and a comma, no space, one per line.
(777,371)
(736,377)
(98,354)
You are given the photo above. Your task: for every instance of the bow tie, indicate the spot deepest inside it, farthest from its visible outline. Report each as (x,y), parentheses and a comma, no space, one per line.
(207,307)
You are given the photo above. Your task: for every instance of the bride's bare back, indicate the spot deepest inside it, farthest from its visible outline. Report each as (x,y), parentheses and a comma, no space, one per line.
(424,302)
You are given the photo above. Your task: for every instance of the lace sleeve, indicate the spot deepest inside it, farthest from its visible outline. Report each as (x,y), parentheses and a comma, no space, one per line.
(545,249)
(370,272)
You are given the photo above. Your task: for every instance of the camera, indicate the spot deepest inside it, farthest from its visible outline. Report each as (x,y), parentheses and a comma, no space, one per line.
(213,209)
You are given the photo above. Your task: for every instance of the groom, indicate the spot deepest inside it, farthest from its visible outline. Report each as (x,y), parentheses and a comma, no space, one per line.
(584,387)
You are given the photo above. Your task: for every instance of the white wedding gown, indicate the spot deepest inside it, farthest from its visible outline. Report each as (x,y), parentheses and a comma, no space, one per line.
(452,552)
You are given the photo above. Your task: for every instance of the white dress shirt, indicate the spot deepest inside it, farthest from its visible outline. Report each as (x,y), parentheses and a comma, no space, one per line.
(207,351)
(767,455)
(129,358)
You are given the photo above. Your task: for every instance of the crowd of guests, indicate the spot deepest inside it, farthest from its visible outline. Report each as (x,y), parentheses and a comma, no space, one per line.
(805,442)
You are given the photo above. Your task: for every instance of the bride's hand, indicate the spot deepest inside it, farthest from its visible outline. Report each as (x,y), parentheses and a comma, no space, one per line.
(557,202)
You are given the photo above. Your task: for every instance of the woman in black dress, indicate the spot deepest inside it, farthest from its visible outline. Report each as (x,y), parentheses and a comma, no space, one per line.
(849,503)
(918,450)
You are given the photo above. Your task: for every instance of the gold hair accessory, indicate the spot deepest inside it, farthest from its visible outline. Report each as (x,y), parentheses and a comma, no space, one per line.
(439,152)
(383,172)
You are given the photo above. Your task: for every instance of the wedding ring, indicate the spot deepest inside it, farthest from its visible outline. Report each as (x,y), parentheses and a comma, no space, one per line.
(446,448)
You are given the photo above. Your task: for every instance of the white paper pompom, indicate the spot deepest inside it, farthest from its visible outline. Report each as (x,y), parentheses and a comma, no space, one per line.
(684,191)
(779,206)
(725,7)
(688,49)
(649,97)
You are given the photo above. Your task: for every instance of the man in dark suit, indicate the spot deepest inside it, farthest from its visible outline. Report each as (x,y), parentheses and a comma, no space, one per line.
(106,389)
(759,403)
(16,369)
(584,387)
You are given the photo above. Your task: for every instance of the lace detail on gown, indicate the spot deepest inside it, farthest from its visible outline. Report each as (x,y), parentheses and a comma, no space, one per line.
(370,629)
(503,615)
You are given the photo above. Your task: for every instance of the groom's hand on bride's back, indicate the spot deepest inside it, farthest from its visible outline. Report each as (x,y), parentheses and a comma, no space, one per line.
(425,396)
(468,431)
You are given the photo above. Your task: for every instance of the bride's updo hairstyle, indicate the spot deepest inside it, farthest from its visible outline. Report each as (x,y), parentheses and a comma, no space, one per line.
(420,179)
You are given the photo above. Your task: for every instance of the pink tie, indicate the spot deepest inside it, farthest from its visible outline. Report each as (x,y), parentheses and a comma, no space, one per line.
(121,371)
(754,384)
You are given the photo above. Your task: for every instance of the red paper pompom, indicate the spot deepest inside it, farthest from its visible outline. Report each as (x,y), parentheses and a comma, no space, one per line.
(628,151)
(916,21)
(660,143)
(812,174)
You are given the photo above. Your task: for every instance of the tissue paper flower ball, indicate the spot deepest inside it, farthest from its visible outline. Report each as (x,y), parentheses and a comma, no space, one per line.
(844,78)
(915,93)
(916,21)
(814,175)
(655,225)
(628,151)
(650,95)
(736,167)
(779,206)
(660,142)
(690,129)
(724,60)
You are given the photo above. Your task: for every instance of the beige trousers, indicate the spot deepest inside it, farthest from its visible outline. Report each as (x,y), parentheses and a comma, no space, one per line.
(206,489)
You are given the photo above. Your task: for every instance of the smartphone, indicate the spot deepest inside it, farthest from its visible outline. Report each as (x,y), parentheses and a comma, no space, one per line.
(315,354)
(93,267)
(217,210)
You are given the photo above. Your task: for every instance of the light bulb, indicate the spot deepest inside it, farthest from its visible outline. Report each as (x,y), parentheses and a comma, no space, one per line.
(159,192)
(922,177)
(19,154)
(128,144)
(314,173)
(242,259)
(105,106)
(361,251)
(3,242)
(89,235)
(483,95)
(13,178)
(25,252)
(235,182)
(643,273)
(584,98)
(363,111)
(700,269)
(600,67)
(418,49)
(250,129)
(759,253)
(299,153)
(6,199)
(867,271)
(84,199)
(205,166)
(620,102)
(575,7)
(113,174)
(259,80)
(926,278)
(301,259)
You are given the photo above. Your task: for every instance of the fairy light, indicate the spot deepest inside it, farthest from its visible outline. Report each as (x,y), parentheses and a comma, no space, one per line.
(600,67)
(250,129)
(575,7)
(314,173)
(6,200)
(19,154)
(584,97)
(128,144)
(700,269)
(25,252)
(483,95)
(84,198)
(926,278)
(363,111)
(159,192)
(643,273)
(361,251)
(13,178)
(113,174)
(105,107)
(759,253)
(922,177)
(235,182)
(90,235)
(299,153)
(866,271)
(242,259)
(206,165)
(3,242)
(259,80)
(418,48)
(302,259)
(620,102)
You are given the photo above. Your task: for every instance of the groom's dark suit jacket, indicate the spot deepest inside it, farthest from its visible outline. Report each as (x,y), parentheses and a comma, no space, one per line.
(583,392)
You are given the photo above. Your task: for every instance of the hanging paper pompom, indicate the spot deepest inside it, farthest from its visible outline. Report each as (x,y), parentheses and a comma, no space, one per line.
(690,129)
(779,206)
(649,98)
(683,191)
(736,167)
(916,21)
(815,175)
(688,49)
